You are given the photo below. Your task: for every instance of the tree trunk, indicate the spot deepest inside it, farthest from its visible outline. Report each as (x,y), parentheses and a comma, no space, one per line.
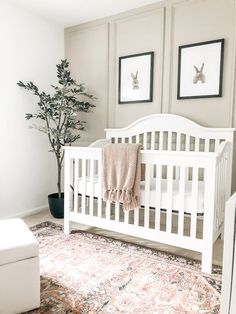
(59,177)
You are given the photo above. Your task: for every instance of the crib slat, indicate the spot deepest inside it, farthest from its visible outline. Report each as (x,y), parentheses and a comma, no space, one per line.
(91,187)
(147,195)
(123,140)
(207,145)
(158,197)
(136,217)
(130,139)
(76,182)
(217,191)
(194,203)
(182,200)
(153,140)
(83,185)
(160,140)
(145,140)
(137,138)
(221,183)
(217,144)
(126,216)
(178,142)
(221,193)
(196,144)
(169,140)
(178,146)
(108,210)
(187,143)
(224,183)
(99,188)
(169,195)
(117,211)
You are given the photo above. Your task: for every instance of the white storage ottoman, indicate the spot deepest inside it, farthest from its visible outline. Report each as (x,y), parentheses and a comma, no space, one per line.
(19,268)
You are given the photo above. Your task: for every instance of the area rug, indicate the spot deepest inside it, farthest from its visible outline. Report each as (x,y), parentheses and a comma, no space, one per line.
(88,273)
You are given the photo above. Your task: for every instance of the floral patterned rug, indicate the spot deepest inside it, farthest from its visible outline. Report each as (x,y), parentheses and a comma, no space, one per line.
(88,273)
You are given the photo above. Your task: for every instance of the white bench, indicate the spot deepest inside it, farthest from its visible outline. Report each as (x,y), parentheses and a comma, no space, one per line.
(19,268)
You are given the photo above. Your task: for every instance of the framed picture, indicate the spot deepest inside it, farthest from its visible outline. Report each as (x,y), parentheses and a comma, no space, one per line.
(200,70)
(136,78)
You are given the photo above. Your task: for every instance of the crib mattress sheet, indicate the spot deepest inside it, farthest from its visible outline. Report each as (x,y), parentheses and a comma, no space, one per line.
(176,197)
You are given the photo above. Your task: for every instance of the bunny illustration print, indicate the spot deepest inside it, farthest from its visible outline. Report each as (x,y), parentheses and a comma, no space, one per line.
(199,75)
(135,81)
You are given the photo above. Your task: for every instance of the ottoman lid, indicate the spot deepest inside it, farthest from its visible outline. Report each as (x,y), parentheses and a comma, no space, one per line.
(17,242)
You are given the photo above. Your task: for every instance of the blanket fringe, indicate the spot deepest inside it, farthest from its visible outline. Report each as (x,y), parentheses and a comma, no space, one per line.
(126,197)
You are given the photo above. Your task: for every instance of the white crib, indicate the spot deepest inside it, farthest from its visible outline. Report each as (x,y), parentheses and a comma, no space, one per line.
(188,172)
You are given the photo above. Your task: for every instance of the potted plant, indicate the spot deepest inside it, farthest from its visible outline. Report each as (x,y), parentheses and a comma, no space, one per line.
(61,123)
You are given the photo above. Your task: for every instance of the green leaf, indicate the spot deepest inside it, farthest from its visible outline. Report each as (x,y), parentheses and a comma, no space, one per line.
(59,111)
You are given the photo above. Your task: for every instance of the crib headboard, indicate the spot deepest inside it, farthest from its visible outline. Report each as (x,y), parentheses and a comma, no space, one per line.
(171,132)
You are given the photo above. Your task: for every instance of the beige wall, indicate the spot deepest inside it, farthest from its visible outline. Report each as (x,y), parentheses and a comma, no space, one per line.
(195,21)
(139,33)
(88,51)
(94,48)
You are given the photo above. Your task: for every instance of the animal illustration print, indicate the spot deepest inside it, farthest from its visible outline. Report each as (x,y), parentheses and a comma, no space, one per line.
(199,76)
(135,80)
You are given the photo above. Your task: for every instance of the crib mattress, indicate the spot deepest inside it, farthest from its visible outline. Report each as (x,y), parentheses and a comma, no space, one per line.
(176,197)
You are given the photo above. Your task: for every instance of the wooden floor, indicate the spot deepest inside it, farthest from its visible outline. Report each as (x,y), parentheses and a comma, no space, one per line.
(46,216)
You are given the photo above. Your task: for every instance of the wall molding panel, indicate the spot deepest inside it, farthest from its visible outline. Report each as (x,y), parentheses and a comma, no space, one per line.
(162,28)
(138,34)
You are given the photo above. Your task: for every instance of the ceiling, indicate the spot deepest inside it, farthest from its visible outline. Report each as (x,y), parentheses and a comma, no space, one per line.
(72,12)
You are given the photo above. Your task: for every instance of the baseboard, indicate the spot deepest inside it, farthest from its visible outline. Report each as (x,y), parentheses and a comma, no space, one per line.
(27,212)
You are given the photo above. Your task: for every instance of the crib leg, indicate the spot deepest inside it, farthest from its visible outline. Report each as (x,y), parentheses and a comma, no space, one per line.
(207,256)
(67,215)
(67,228)
(68,196)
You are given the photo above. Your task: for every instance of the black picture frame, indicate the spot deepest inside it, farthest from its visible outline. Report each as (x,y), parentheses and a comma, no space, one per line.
(134,58)
(214,52)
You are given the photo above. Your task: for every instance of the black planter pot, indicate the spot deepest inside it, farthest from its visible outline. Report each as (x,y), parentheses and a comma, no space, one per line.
(56,205)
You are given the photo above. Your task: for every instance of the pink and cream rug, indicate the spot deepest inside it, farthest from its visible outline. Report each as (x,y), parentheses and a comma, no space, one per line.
(88,273)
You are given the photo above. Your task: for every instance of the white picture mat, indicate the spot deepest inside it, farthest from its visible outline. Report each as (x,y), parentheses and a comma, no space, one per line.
(142,64)
(210,55)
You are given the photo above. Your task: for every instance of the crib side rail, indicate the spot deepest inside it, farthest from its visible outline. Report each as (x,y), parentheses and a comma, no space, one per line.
(83,163)
(179,158)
